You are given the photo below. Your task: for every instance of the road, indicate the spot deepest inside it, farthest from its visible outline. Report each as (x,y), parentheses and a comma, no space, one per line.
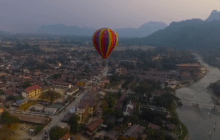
(56,119)
(201,123)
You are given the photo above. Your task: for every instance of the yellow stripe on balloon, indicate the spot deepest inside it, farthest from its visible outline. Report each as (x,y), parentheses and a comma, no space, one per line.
(100,41)
(109,40)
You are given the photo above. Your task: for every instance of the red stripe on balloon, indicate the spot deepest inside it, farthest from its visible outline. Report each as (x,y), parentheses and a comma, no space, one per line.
(112,42)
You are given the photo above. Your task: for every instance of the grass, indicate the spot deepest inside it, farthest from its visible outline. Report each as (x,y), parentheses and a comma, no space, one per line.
(25,107)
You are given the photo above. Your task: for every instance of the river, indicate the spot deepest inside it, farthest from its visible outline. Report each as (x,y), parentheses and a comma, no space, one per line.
(200,123)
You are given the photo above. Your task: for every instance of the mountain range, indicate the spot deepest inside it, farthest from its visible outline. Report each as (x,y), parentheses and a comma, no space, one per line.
(194,33)
(144,30)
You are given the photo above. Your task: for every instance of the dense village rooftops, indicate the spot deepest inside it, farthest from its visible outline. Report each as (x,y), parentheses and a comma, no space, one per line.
(194,65)
(153,126)
(95,124)
(61,83)
(134,131)
(34,87)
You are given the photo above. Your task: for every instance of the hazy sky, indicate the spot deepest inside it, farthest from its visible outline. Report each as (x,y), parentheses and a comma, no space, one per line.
(100,13)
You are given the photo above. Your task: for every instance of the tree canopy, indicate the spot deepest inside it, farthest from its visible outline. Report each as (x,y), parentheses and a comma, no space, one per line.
(7,118)
(57,132)
(74,125)
(50,95)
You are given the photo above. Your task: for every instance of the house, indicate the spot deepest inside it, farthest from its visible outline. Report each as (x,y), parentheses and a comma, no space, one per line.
(31,119)
(119,103)
(36,108)
(94,125)
(9,93)
(185,76)
(49,110)
(86,107)
(82,82)
(32,92)
(66,137)
(111,135)
(189,68)
(154,126)
(135,131)
(2,86)
(45,89)
(63,125)
(64,85)
(19,103)
(72,90)
(129,109)
(170,126)
(121,71)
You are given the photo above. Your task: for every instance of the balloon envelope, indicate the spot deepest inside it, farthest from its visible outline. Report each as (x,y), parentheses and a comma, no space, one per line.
(105,40)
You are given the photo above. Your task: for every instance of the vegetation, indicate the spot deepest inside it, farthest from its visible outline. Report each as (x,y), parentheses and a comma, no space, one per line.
(26,84)
(215,87)
(50,96)
(25,106)
(39,129)
(57,132)
(74,125)
(15,98)
(8,119)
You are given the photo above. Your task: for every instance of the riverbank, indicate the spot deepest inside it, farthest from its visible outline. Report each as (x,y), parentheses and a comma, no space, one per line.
(198,121)
(184,128)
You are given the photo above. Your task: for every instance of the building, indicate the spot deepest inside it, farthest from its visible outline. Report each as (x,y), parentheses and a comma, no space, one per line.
(162,76)
(189,68)
(119,103)
(49,110)
(86,107)
(129,109)
(32,119)
(63,125)
(94,125)
(66,137)
(121,71)
(32,92)
(72,90)
(135,131)
(63,85)
(82,82)
(153,126)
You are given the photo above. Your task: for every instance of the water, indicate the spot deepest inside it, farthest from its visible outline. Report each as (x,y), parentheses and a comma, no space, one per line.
(203,122)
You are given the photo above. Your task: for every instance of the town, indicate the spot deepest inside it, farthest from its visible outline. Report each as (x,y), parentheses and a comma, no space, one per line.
(57,89)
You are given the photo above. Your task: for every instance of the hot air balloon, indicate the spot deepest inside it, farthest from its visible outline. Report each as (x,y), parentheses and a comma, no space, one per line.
(105,40)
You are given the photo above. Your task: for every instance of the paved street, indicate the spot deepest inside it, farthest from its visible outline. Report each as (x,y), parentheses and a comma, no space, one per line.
(56,119)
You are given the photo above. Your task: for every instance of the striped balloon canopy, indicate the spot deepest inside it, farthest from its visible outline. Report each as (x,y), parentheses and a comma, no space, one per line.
(105,40)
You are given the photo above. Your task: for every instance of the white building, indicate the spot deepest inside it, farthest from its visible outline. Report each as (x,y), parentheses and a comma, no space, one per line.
(48,110)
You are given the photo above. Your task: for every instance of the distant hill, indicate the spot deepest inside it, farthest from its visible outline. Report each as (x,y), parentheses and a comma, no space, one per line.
(189,34)
(142,31)
(60,29)
(215,15)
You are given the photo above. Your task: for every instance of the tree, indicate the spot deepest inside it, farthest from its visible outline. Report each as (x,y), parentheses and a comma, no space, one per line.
(1,92)
(6,118)
(74,125)
(50,96)
(158,121)
(38,129)
(26,84)
(57,132)
(110,100)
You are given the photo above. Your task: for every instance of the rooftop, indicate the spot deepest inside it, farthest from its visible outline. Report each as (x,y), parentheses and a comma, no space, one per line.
(31,88)
(92,126)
